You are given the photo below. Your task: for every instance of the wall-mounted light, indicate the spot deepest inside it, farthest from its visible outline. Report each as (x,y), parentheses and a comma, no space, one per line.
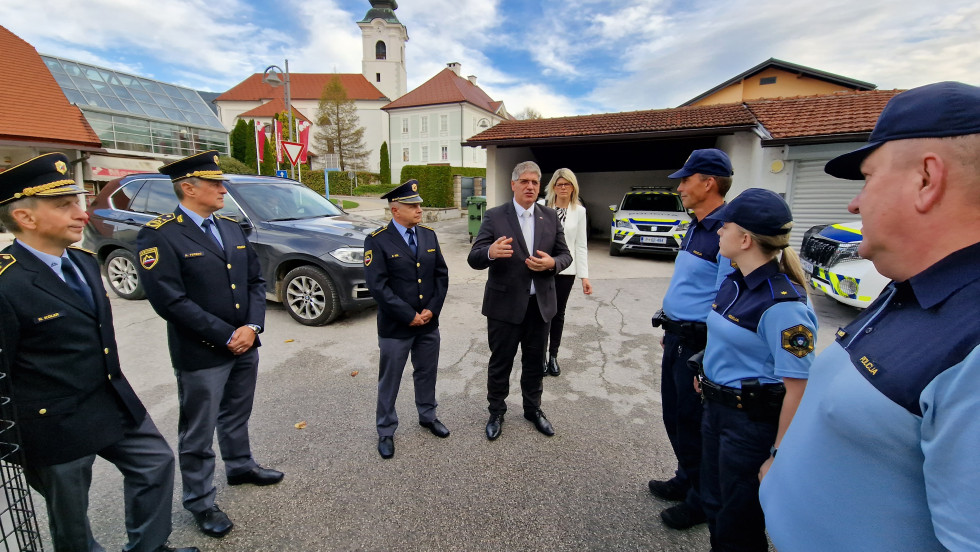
(777,166)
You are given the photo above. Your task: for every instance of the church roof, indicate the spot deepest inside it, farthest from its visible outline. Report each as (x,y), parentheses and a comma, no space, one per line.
(302,86)
(271,109)
(445,88)
(382,9)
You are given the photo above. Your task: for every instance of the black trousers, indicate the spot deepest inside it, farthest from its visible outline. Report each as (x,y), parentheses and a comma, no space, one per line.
(503,337)
(563,288)
(682,412)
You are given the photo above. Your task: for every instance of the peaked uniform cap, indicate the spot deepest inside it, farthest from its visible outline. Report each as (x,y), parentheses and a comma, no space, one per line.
(47,175)
(200,165)
(406,193)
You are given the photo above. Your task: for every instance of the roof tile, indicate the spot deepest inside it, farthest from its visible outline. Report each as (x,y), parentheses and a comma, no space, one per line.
(446,87)
(849,112)
(270,109)
(302,86)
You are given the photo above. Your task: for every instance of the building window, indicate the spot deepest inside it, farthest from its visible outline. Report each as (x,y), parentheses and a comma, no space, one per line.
(380,50)
(377,77)
(767,80)
(405,155)
(424,125)
(425,154)
(443,123)
(404,125)
(444,153)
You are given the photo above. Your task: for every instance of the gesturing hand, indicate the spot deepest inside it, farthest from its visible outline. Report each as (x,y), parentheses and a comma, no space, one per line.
(501,249)
(542,262)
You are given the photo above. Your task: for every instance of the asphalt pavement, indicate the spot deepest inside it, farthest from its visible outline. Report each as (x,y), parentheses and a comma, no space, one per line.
(583,489)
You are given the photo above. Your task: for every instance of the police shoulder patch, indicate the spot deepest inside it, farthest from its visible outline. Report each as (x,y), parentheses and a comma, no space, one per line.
(368,257)
(82,249)
(160,221)
(149,258)
(798,340)
(6,260)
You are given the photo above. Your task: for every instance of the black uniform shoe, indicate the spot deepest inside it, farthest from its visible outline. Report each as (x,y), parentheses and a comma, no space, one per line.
(166,548)
(213,522)
(493,426)
(682,516)
(553,369)
(540,422)
(257,476)
(667,490)
(386,447)
(436,427)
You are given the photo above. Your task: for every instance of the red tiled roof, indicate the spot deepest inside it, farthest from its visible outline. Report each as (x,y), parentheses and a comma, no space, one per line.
(850,112)
(446,87)
(32,106)
(270,109)
(302,86)
(631,122)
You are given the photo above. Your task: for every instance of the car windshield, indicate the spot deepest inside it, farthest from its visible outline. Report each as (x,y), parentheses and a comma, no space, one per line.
(652,202)
(284,201)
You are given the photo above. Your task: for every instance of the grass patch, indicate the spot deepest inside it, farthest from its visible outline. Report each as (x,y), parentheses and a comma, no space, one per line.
(347,205)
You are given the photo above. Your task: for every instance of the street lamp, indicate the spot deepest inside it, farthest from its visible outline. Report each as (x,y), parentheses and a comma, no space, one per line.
(272,79)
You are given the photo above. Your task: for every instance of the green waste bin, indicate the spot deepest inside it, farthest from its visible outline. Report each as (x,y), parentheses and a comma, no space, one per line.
(475,206)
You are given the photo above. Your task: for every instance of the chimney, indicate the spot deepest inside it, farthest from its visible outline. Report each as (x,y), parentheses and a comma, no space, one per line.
(472,79)
(455,66)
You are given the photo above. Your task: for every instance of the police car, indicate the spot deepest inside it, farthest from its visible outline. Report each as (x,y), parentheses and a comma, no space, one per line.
(829,255)
(648,219)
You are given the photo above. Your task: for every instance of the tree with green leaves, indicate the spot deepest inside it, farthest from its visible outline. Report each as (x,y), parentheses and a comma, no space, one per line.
(385,164)
(269,158)
(240,140)
(339,130)
(250,153)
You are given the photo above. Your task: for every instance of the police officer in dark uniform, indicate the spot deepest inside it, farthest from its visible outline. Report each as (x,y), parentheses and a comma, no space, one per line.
(698,272)
(72,401)
(408,277)
(760,347)
(203,277)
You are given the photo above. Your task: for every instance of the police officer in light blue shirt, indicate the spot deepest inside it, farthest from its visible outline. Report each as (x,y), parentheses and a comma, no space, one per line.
(884,451)
(698,271)
(760,343)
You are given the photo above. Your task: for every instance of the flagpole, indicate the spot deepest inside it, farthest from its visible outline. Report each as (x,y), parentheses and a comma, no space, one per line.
(258,166)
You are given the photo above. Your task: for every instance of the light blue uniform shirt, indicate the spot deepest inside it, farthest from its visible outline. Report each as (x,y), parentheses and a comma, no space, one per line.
(699,270)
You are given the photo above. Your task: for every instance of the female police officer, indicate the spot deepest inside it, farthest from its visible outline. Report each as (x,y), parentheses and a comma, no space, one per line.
(760,343)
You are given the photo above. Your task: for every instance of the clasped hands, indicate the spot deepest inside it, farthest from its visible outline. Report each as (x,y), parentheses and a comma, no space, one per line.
(421,318)
(501,249)
(242,340)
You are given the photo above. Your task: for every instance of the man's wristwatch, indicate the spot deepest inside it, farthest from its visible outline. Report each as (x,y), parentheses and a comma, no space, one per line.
(255,328)
(773,450)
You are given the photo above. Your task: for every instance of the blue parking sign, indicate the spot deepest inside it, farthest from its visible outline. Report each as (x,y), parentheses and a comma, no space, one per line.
(282,174)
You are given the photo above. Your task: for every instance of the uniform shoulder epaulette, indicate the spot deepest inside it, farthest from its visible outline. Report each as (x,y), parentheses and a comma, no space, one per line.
(427,227)
(6,260)
(378,231)
(82,249)
(160,221)
(783,289)
(226,217)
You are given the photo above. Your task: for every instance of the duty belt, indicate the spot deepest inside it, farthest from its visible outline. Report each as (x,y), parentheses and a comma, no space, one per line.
(694,332)
(762,402)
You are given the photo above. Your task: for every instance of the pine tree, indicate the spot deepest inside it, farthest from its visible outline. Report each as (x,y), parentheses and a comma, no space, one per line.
(250,156)
(385,164)
(338,127)
(240,140)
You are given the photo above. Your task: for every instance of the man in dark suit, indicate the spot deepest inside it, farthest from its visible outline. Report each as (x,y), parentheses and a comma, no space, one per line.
(203,277)
(523,245)
(69,394)
(408,277)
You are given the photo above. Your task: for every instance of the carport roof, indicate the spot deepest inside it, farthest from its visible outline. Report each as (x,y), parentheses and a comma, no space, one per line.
(842,116)
(703,120)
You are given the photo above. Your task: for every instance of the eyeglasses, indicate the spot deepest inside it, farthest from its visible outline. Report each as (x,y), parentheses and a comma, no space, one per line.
(525,182)
(563,185)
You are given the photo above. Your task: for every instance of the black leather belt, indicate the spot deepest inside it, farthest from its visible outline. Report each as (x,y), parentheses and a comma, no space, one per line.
(695,333)
(728,396)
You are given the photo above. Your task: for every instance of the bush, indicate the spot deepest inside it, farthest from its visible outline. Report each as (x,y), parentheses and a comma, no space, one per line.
(231,165)
(470,171)
(374,190)
(339,183)
(435,183)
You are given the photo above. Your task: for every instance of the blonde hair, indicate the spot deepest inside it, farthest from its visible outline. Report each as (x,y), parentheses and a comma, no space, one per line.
(789,261)
(567,174)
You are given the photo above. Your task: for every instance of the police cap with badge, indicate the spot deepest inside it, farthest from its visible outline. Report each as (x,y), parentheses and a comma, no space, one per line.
(406,193)
(47,175)
(200,165)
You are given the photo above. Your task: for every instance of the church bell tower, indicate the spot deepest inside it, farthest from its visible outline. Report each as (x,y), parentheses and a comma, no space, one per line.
(383,58)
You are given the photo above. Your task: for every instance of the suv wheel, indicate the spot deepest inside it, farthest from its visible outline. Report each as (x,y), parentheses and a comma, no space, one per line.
(615,250)
(310,296)
(120,270)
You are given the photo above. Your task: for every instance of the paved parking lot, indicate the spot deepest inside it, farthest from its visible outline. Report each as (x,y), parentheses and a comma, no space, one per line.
(584,489)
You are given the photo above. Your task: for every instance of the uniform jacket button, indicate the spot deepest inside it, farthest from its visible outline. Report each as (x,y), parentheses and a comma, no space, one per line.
(106,350)
(43,411)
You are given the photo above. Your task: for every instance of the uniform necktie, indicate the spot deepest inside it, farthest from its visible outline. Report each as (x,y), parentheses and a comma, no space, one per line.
(76,284)
(207,230)
(411,242)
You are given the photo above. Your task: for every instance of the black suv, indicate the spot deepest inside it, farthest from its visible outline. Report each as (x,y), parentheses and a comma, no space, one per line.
(311,251)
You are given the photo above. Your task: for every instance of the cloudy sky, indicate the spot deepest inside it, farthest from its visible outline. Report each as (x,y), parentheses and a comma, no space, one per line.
(561,57)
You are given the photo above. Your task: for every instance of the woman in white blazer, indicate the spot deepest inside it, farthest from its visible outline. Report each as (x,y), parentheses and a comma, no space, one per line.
(562,196)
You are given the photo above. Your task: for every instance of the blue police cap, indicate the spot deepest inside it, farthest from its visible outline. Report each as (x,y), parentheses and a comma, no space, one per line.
(709,162)
(47,175)
(406,193)
(200,165)
(931,111)
(760,211)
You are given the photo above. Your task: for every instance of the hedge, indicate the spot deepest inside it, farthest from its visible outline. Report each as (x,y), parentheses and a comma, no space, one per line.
(436,181)
(339,183)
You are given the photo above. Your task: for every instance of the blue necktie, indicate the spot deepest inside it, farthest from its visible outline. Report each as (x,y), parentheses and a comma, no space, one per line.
(76,284)
(207,230)
(411,242)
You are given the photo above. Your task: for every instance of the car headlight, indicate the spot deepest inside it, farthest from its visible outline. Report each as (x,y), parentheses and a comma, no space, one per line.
(623,223)
(847,252)
(349,255)
(682,227)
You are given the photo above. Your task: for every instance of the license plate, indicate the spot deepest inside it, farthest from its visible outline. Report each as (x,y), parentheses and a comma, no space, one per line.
(807,266)
(652,239)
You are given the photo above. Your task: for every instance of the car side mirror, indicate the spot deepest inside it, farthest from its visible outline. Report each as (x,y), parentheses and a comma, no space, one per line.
(612,208)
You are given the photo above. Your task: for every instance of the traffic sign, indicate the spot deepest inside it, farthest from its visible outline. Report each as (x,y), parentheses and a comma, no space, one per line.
(282,174)
(293,150)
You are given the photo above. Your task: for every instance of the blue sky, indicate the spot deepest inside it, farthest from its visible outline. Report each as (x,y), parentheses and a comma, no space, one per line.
(560,57)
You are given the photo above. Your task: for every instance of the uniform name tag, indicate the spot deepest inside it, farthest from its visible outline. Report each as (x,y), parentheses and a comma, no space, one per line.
(430,250)
(47,317)
(197,254)
(395,255)
(240,247)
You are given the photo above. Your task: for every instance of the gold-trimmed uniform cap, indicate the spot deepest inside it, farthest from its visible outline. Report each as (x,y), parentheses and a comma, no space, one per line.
(406,193)
(200,165)
(47,175)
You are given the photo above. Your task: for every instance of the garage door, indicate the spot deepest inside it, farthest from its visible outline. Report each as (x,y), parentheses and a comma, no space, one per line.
(818,198)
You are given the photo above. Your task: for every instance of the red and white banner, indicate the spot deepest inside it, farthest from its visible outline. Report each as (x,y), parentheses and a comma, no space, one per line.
(304,138)
(260,140)
(278,141)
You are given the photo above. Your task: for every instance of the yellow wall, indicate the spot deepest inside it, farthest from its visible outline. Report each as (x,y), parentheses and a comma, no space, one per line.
(787,84)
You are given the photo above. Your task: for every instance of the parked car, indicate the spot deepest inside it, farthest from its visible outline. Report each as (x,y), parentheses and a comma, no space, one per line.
(648,219)
(829,255)
(310,250)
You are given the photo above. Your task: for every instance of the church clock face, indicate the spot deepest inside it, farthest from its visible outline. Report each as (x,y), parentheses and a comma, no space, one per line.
(379,27)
